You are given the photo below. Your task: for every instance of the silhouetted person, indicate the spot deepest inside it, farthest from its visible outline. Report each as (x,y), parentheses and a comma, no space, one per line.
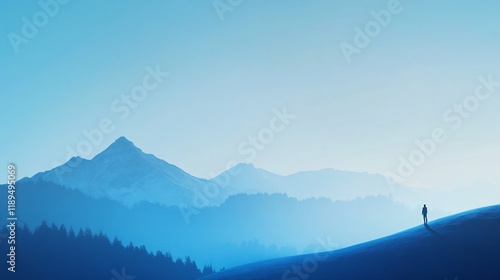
(424,213)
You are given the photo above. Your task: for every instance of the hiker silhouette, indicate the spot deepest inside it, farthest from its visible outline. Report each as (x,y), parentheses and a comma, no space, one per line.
(424,213)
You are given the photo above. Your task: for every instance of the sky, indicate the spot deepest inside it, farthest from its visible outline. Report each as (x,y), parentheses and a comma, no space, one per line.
(286,85)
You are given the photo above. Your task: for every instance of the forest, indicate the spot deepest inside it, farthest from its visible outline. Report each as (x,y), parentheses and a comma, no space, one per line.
(52,252)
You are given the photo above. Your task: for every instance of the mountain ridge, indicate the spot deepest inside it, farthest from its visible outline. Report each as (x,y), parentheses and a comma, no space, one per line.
(125,173)
(327,182)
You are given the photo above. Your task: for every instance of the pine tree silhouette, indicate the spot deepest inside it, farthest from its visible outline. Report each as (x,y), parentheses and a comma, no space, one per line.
(51,252)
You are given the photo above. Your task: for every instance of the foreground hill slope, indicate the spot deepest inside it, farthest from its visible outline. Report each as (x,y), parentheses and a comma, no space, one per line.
(462,246)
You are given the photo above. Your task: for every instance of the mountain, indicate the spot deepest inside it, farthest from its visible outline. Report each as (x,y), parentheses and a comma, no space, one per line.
(462,246)
(251,220)
(330,183)
(124,173)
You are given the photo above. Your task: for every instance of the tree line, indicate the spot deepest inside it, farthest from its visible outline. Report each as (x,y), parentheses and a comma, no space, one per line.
(52,252)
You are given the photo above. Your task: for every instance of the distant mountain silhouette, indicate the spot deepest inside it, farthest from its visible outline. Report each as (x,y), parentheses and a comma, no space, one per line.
(462,246)
(329,183)
(124,173)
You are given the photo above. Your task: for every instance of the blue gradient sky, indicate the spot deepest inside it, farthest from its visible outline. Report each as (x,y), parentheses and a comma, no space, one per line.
(226,77)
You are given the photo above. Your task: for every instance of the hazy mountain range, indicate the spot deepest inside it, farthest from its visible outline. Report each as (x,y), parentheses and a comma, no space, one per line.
(255,215)
(124,173)
(139,198)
